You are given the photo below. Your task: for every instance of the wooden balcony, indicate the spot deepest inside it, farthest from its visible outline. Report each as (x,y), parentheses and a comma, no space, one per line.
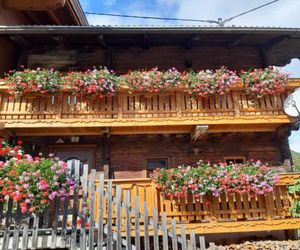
(174,107)
(224,214)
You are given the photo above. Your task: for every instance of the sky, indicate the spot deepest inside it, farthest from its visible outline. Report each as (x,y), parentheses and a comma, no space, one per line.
(284,13)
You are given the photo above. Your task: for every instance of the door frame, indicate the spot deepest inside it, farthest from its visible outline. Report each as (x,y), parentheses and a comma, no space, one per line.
(69,147)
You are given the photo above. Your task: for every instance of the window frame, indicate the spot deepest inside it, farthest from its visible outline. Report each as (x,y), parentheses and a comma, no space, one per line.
(146,159)
(234,158)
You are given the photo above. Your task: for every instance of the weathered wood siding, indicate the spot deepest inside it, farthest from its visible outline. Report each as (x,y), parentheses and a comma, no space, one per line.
(123,59)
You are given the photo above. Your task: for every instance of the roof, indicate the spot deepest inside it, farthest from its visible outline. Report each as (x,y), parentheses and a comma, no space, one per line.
(275,45)
(69,29)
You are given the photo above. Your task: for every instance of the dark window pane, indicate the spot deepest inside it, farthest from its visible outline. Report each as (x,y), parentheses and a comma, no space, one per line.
(153,164)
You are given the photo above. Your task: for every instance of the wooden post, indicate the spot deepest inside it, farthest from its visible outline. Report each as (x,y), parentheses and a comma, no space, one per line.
(236,104)
(283,132)
(106,156)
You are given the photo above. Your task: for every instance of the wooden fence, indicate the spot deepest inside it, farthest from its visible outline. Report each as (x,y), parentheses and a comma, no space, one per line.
(131,214)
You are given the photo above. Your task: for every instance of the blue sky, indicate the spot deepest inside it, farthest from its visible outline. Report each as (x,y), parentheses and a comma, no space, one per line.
(284,13)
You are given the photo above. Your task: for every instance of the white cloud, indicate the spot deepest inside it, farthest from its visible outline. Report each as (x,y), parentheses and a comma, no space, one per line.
(295,141)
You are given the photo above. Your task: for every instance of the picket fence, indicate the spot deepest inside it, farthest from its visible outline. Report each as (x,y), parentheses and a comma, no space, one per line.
(70,224)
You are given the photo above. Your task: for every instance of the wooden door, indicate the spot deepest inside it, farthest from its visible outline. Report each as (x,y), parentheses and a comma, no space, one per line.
(84,153)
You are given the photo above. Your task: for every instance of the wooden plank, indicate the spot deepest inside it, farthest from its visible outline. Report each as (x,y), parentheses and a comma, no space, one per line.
(17,228)
(202,243)
(193,240)
(146,227)
(119,218)
(164,231)
(8,215)
(128,220)
(35,231)
(25,234)
(155,229)
(238,202)
(45,226)
(64,222)
(55,223)
(137,222)
(92,209)
(84,180)
(100,211)
(76,165)
(183,237)
(212,246)
(174,235)
(109,216)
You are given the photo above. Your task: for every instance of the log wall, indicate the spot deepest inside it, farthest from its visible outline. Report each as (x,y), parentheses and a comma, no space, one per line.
(128,153)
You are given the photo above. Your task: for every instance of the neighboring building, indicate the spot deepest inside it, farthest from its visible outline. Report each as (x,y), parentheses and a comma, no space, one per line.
(128,135)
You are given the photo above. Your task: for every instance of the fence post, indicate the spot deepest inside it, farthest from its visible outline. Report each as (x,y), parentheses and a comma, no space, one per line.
(193,240)
(118,214)
(92,208)
(100,212)
(174,234)
(137,223)
(183,237)
(146,227)
(84,207)
(202,243)
(155,229)
(109,216)
(164,230)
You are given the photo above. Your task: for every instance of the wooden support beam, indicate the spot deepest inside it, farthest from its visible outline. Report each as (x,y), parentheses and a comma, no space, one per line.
(20,40)
(34,5)
(145,43)
(199,132)
(108,59)
(235,42)
(106,154)
(191,41)
(273,42)
(101,41)
(61,40)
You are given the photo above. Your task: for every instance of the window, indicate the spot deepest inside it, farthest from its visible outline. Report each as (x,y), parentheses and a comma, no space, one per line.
(154,163)
(234,159)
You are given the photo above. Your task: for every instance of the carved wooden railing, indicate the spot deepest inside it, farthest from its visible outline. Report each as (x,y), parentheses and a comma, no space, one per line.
(231,211)
(171,106)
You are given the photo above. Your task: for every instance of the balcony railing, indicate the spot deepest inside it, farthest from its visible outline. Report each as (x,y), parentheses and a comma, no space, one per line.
(227,213)
(165,108)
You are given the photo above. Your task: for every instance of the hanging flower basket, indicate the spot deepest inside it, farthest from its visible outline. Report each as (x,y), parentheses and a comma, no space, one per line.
(252,178)
(261,82)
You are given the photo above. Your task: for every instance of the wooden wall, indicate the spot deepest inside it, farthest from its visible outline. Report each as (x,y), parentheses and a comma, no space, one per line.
(123,59)
(128,153)
(8,55)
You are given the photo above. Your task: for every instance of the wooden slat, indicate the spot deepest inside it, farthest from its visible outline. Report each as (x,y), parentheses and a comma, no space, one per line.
(137,222)
(118,215)
(109,216)
(76,166)
(92,209)
(35,231)
(100,211)
(55,223)
(8,215)
(45,226)
(174,235)
(155,229)
(193,240)
(146,226)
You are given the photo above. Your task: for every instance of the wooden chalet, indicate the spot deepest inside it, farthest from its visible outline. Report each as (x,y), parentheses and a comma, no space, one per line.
(130,134)
(127,135)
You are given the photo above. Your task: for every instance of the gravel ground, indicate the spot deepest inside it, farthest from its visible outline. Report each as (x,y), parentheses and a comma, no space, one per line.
(264,245)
